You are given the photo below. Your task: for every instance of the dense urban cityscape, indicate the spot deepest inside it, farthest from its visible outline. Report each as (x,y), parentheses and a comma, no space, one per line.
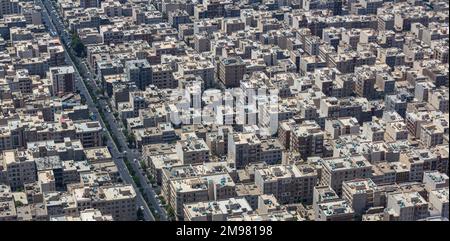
(224,110)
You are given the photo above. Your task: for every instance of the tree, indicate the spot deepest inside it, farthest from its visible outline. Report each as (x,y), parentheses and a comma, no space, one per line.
(163,201)
(137,181)
(104,138)
(18,203)
(152,180)
(143,165)
(170,212)
(78,46)
(131,139)
(140,214)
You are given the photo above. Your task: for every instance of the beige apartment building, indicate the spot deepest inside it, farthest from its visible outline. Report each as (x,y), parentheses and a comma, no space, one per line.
(216,210)
(197,189)
(192,150)
(18,167)
(243,149)
(231,71)
(362,194)
(406,206)
(307,139)
(336,170)
(118,201)
(287,183)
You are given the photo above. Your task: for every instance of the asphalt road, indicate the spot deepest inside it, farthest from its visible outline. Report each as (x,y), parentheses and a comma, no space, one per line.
(80,85)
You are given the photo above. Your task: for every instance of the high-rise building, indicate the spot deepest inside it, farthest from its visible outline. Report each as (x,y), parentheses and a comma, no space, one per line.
(63,80)
(192,150)
(406,206)
(118,201)
(9,7)
(288,183)
(362,194)
(18,168)
(307,139)
(336,170)
(243,149)
(89,3)
(139,72)
(231,71)
(199,189)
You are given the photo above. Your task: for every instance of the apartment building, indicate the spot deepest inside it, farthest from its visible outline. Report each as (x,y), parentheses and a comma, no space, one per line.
(337,170)
(406,206)
(216,210)
(197,189)
(362,194)
(231,71)
(243,149)
(63,80)
(119,201)
(192,150)
(18,168)
(139,72)
(307,139)
(287,183)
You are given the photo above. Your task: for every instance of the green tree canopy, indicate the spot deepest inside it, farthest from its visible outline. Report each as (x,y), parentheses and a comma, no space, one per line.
(78,46)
